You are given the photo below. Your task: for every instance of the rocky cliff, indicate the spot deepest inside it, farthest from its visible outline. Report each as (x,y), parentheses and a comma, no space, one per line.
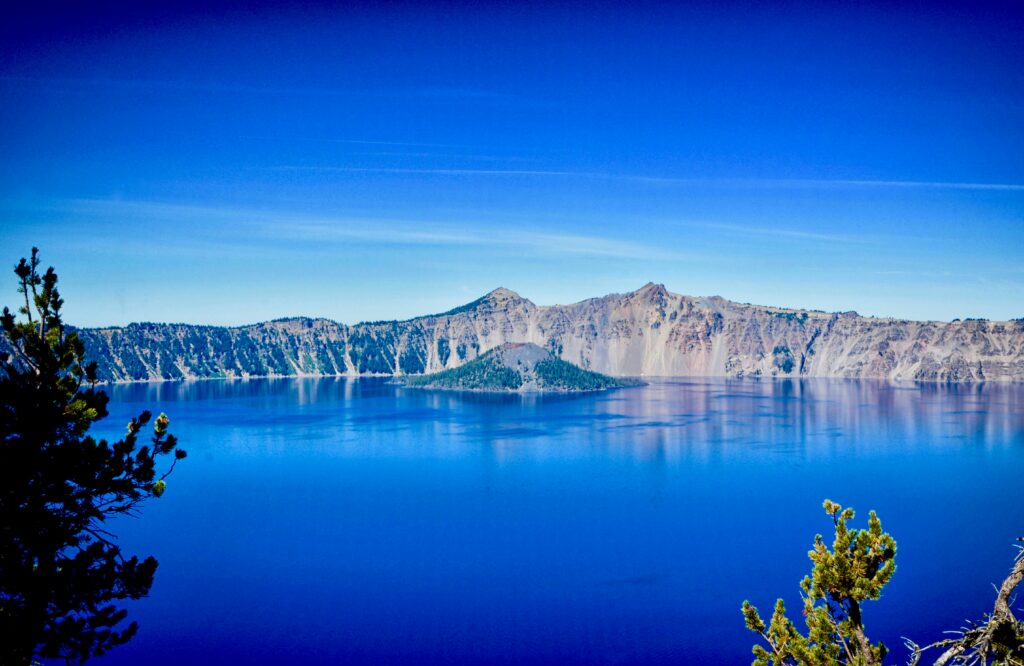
(650,332)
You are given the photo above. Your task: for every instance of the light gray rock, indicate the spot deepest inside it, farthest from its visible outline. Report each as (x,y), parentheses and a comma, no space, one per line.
(647,332)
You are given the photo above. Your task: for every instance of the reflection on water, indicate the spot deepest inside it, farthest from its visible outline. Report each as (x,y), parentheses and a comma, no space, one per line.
(357,521)
(665,419)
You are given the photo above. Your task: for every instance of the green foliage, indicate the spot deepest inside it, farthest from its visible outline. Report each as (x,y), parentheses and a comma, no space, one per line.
(413,359)
(444,351)
(462,349)
(373,352)
(798,317)
(782,358)
(518,366)
(60,573)
(860,563)
(558,374)
(468,307)
(485,373)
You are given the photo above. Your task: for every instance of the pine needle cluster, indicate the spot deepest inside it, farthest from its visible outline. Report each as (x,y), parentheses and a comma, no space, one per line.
(859,564)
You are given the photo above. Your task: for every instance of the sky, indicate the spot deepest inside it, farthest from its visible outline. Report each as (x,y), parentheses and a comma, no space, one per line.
(209,163)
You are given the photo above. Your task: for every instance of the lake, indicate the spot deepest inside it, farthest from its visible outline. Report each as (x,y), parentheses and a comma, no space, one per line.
(354,521)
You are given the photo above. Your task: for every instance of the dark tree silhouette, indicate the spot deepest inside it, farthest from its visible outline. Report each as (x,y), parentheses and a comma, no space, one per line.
(61,573)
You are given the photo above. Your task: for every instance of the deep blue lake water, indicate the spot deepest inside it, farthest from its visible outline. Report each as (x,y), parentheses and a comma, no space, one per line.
(340,521)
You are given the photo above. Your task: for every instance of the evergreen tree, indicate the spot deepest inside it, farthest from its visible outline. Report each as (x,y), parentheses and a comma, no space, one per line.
(61,573)
(859,565)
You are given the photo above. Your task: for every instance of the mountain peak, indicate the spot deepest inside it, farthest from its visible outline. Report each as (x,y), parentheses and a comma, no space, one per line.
(496,298)
(503,294)
(511,354)
(652,289)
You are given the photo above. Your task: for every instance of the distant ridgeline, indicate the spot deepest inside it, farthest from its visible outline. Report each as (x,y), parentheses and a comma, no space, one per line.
(646,332)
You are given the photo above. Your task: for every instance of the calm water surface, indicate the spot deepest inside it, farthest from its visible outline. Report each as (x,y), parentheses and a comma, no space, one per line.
(336,521)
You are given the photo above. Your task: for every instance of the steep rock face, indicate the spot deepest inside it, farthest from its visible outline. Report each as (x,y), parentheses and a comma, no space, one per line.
(650,331)
(177,351)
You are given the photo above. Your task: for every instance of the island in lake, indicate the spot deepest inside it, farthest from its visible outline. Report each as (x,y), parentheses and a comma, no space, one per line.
(522,368)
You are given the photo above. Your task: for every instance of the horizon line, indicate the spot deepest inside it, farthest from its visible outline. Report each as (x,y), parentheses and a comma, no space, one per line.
(460,307)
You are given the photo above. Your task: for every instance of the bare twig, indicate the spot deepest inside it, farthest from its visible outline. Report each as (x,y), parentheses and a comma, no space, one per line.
(977,643)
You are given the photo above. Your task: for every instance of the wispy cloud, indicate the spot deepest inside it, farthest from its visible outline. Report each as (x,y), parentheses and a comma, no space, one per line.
(413,144)
(72,85)
(230,227)
(916,184)
(326,230)
(991,274)
(668,180)
(439,155)
(826,183)
(379,143)
(925,273)
(785,233)
(444,172)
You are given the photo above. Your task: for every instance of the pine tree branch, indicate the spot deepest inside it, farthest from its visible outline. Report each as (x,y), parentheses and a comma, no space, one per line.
(976,643)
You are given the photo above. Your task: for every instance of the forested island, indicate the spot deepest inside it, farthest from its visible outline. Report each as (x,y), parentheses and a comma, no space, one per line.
(521,368)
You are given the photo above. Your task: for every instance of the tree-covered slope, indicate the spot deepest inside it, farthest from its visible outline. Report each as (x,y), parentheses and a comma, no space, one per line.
(519,367)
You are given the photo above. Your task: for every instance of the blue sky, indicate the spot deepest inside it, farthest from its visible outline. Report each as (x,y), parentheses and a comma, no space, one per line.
(212,165)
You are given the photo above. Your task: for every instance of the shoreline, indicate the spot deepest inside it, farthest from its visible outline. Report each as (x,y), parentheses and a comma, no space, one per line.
(643,379)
